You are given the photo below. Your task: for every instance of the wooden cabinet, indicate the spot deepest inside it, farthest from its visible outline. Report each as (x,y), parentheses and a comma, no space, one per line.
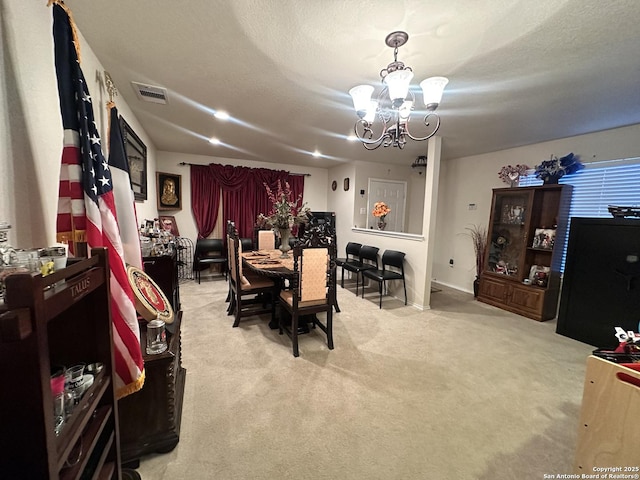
(164,271)
(608,435)
(60,319)
(150,418)
(526,237)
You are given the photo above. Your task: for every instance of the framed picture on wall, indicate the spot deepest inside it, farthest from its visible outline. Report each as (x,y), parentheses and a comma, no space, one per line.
(136,153)
(168,223)
(169,191)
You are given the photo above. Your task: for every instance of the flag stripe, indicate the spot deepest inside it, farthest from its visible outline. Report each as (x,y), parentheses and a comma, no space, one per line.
(86,207)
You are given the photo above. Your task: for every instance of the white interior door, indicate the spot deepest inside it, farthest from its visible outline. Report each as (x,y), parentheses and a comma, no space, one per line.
(394,194)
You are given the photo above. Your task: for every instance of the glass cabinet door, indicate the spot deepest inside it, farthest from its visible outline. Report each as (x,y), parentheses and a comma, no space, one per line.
(508,232)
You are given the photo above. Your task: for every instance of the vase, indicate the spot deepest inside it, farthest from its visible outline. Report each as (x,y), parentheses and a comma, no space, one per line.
(284,247)
(382,224)
(551,180)
(476,287)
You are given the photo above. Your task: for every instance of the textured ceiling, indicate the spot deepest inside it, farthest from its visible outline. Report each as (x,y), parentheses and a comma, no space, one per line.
(520,72)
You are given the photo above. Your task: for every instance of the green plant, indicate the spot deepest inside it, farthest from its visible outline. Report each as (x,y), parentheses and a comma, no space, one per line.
(478,234)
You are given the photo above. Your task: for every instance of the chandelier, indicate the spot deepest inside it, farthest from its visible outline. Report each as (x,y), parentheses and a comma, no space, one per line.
(395,103)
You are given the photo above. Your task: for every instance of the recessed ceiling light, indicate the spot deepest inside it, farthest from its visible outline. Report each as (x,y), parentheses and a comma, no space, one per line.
(214,141)
(221,115)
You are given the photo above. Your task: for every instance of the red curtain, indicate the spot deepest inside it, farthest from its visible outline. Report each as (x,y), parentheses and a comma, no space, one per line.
(205,199)
(243,194)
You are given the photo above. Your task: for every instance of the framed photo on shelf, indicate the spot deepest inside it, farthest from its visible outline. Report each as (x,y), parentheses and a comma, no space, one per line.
(539,275)
(169,191)
(168,222)
(512,214)
(544,238)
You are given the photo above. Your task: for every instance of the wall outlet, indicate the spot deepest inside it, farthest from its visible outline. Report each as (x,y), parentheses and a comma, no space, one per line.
(363,211)
(451,262)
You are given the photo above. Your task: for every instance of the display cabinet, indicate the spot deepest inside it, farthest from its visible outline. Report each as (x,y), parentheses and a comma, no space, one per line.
(525,241)
(61,319)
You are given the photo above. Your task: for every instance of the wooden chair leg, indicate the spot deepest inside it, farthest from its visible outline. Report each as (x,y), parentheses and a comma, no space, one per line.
(237,312)
(330,329)
(294,333)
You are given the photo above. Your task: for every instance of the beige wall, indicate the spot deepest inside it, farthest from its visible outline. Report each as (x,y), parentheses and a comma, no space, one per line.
(30,124)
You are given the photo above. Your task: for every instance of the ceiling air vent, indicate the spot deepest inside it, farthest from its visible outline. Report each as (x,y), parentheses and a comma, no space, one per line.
(149,93)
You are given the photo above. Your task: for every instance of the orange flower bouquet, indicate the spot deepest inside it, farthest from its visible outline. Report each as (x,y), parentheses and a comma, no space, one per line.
(380,210)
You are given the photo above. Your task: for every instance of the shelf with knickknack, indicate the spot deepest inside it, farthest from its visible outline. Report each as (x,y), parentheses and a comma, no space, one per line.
(526,235)
(58,319)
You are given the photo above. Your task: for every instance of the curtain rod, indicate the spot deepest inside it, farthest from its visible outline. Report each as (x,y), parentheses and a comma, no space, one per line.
(290,173)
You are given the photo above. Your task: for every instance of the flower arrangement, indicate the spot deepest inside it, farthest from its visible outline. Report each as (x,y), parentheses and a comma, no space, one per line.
(511,174)
(286,212)
(550,171)
(262,222)
(380,210)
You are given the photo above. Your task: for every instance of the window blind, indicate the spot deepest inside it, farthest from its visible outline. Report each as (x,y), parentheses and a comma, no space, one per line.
(598,185)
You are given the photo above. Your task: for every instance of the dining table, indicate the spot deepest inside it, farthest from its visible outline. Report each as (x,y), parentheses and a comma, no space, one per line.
(270,263)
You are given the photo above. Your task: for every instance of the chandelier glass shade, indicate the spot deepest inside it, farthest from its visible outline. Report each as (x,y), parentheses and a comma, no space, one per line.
(385,121)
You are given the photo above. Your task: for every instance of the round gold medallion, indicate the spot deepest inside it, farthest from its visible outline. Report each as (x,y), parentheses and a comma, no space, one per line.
(151,303)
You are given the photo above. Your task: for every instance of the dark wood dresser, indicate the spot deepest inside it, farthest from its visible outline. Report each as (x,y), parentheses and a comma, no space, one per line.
(150,418)
(164,271)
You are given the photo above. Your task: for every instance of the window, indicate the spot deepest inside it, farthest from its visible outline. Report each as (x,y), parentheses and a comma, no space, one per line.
(598,185)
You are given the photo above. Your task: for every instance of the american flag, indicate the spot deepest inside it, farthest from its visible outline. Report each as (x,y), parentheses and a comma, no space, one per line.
(86,201)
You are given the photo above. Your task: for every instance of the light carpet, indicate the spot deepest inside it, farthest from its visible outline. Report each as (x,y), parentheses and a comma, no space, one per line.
(461,391)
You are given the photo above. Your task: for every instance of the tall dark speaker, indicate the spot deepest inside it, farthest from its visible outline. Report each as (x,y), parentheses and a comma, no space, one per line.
(601,285)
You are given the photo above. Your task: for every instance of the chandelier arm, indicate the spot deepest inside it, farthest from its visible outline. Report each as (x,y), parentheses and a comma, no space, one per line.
(425,120)
(367,131)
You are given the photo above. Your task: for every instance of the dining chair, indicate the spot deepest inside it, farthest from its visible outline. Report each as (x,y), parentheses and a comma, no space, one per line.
(250,294)
(367,260)
(247,244)
(353,254)
(266,240)
(313,291)
(392,269)
(209,251)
